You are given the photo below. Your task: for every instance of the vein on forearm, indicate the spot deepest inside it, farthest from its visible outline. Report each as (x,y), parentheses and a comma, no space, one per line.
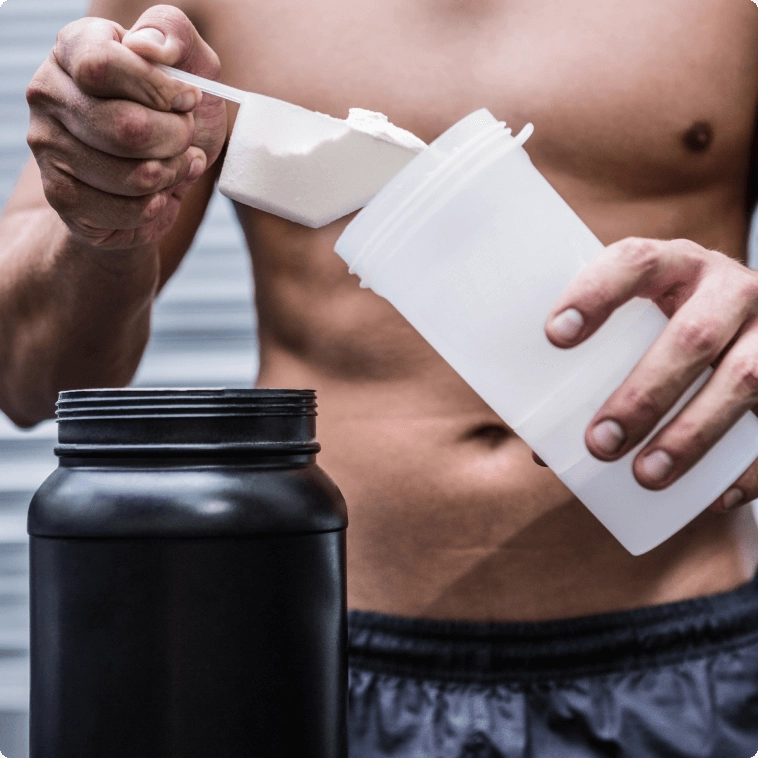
(70,315)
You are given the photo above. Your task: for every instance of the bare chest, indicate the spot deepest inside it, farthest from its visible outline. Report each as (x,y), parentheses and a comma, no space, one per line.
(645,97)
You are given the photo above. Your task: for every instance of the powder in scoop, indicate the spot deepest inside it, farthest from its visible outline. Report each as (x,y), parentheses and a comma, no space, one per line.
(379,126)
(309,167)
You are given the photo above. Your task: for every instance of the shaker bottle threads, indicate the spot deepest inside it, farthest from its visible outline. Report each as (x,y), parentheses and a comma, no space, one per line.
(473,246)
(188,580)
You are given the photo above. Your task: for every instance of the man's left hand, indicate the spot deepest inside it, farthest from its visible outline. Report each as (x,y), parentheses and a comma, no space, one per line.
(712,301)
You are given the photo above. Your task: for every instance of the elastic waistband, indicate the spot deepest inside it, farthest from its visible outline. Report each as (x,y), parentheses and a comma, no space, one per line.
(635,639)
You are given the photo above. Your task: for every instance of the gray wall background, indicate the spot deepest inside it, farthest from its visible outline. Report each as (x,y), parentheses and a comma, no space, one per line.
(203,335)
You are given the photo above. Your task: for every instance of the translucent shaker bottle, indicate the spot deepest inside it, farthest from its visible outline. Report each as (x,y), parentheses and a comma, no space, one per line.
(473,246)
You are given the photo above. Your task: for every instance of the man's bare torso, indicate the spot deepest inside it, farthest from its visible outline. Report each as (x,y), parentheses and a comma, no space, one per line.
(645,116)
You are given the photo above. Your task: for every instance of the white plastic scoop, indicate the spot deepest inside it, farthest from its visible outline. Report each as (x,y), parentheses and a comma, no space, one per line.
(206,85)
(302,165)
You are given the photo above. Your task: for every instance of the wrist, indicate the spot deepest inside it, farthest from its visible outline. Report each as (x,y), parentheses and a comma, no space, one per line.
(132,268)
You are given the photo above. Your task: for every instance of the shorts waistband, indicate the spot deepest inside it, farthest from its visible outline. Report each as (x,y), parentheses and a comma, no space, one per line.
(624,640)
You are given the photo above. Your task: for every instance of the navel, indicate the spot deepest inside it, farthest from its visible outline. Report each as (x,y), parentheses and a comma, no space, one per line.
(698,137)
(490,435)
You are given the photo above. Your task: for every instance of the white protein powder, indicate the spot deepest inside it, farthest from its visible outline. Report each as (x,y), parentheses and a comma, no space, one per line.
(379,126)
(309,167)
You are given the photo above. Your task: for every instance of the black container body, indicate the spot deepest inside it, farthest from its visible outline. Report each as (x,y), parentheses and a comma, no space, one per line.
(188,602)
(169,648)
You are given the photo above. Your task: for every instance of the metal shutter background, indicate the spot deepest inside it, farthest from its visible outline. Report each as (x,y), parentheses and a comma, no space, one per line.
(203,335)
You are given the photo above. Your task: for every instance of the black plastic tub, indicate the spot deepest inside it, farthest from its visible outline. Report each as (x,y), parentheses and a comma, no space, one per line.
(188,580)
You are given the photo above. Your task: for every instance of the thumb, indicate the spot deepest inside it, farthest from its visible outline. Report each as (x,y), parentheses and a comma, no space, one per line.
(163,34)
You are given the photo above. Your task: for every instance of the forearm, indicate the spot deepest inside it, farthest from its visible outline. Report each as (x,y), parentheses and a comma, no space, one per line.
(70,315)
(110,204)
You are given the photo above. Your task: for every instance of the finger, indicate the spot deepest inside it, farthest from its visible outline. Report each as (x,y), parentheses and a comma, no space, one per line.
(729,393)
(127,239)
(741,492)
(538,460)
(120,176)
(115,223)
(88,208)
(117,127)
(183,48)
(129,130)
(693,339)
(164,34)
(91,53)
(629,268)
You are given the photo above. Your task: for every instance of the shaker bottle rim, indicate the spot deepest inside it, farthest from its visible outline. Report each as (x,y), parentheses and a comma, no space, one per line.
(380,216)
(445,186)
(411,189)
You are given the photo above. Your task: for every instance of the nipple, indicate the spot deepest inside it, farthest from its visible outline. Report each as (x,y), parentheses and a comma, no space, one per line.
(698,137)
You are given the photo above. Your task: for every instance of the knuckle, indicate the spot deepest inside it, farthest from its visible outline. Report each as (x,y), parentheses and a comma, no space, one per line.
(745,375)
(77,36)
(72,30)
(148,177)
(65,37)
(690,248)
(133,129)
(38,136)
(34,92)
(643,405)
(38,91)
(152,208)
(641,254)
(213,64)
(701,338)
(91,66)
(699,259)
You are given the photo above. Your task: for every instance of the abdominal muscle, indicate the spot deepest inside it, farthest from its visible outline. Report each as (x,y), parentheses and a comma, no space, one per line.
(449,516)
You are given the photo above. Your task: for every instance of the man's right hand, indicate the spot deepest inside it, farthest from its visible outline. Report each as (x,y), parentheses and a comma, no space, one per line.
(119,142)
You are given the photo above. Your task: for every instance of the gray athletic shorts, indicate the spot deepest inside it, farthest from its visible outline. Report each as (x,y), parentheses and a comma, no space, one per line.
(671,681)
